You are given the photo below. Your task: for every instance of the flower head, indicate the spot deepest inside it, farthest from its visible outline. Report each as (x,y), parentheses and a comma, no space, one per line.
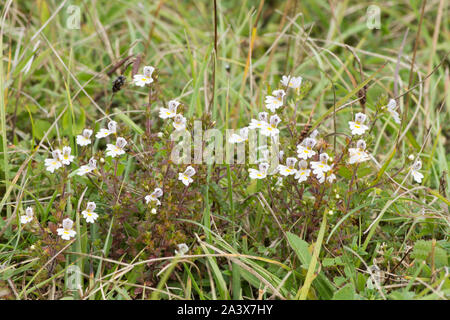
(66,157)
(289,168)
(89,213)
(179,122)
(304,149)
(280,155)
(112,127)
(331,178)
(275,101)
(271,130)
(262,122)
(153,197)
(117,149)
(291,82)
(314,134)
(83,139)
(264,152)
(261,173)
(417,176)
(66,232)
(169,112)
(182,249)
(321,166)
(28,216)
(391,106)
(87,168)
(241,137)
(358,127)
(146,78)
(358,154)
(54,163)
(185,176)
(303,172)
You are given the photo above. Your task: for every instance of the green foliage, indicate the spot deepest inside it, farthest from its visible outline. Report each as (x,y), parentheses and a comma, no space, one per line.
(249,239)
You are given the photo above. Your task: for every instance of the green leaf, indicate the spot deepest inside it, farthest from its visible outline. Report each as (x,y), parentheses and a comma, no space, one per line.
(345,172)
(320,283)
(345,293)
(300,248)
(40,128)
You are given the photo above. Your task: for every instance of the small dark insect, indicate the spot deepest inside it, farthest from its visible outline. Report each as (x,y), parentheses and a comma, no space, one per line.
(118,83)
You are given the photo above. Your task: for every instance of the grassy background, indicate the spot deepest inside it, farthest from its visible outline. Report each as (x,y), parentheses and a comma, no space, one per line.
(326,42)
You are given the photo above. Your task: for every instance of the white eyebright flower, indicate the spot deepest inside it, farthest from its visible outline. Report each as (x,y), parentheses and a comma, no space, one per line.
(66,232)
(358,127)
(89,213)
(179,122)
(391,106)
(157,193)
(28,216)
(358,154)
(331,178)
(314,134)
(185,177)
(262,122)
(271,130)
(291,82)
(84,138)
(170,112)
(112,127)
(182,249)
(289,168)
(303,172)
(241,137)
(143,79)
(275,101)
(417,176)
(117,149)
(87,168)
(54,163)
(261,173)
(66,157)
(304,149)
(321,166)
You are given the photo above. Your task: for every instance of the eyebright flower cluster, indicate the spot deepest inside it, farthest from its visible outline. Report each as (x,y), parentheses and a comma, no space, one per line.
(309,162)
